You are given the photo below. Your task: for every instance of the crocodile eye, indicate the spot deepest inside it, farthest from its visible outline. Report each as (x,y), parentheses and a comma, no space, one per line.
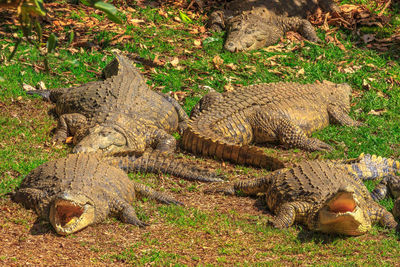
(105,133)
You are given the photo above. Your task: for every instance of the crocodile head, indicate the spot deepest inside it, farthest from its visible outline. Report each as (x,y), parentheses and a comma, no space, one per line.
(246,32)
(70,213)
(344,213)
(104,138)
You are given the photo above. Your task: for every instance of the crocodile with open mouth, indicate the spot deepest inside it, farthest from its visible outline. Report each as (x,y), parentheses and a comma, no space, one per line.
(325,196)
(85,188)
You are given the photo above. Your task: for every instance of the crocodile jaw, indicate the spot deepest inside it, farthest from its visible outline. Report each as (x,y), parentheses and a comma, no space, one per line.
(70,214)
(104,139)
(343,215)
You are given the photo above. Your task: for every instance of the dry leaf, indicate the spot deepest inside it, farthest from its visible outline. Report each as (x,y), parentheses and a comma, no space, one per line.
(69,140)
(162,13)
(197,42)
(217,60)
(28,87)
(174,62)
(41,85)
(136,22)
(300,72)
(377,112)
(231,66)
(228,87)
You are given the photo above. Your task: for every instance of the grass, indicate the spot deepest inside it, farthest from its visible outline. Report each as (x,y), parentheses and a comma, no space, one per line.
(201,235)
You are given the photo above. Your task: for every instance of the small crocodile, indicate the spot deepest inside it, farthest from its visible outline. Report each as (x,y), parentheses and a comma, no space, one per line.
(85,188)
(118,114)
(325,196)
(253,24)
(224,125)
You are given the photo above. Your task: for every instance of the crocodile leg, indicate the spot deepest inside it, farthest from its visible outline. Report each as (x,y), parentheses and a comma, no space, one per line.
(379,214)
(68,125)
(396,209)
(287,132)
(182,116)
(288,212)
(30,197)
(217,21)
(297,24)
(340,116)
(162,141)
(329,6)
(146,191)
(206,102)
(126,213)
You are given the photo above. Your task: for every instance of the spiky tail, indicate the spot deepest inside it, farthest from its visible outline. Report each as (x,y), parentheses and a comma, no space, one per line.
(372,167)
(160,163)
(240,154)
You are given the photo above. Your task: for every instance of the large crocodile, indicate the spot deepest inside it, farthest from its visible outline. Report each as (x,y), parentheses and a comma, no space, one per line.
(252,24)
(325,196)
(118,114)
(85,188)
(223,125)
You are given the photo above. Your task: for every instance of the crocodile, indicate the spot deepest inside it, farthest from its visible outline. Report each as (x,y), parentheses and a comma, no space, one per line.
(372,167)
(85,188)
(253,24)
(224,125)
(117,114)
(322,195)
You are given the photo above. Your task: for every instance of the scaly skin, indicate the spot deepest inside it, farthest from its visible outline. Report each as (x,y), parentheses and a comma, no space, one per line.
(83,189)
(321,195)
(253,24)
(372,167)
(118,114)
(224,125)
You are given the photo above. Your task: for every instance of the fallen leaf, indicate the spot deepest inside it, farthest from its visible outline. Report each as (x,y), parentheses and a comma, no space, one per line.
(231,66)
(69,140)
(300,72)
(228,87)
(174,62)
(197,42)
(41,85)
(217,60)
(377,112)
(161,12)
(28,87)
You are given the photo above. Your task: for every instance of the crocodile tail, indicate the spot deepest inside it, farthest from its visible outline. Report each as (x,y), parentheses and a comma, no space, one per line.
(157,162)
(369,167)
(240,154)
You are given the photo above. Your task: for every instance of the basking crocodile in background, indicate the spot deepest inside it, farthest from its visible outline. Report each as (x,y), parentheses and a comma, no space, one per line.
(253,24)
(118,114)
(85,188)
(325,196)
(224,125)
